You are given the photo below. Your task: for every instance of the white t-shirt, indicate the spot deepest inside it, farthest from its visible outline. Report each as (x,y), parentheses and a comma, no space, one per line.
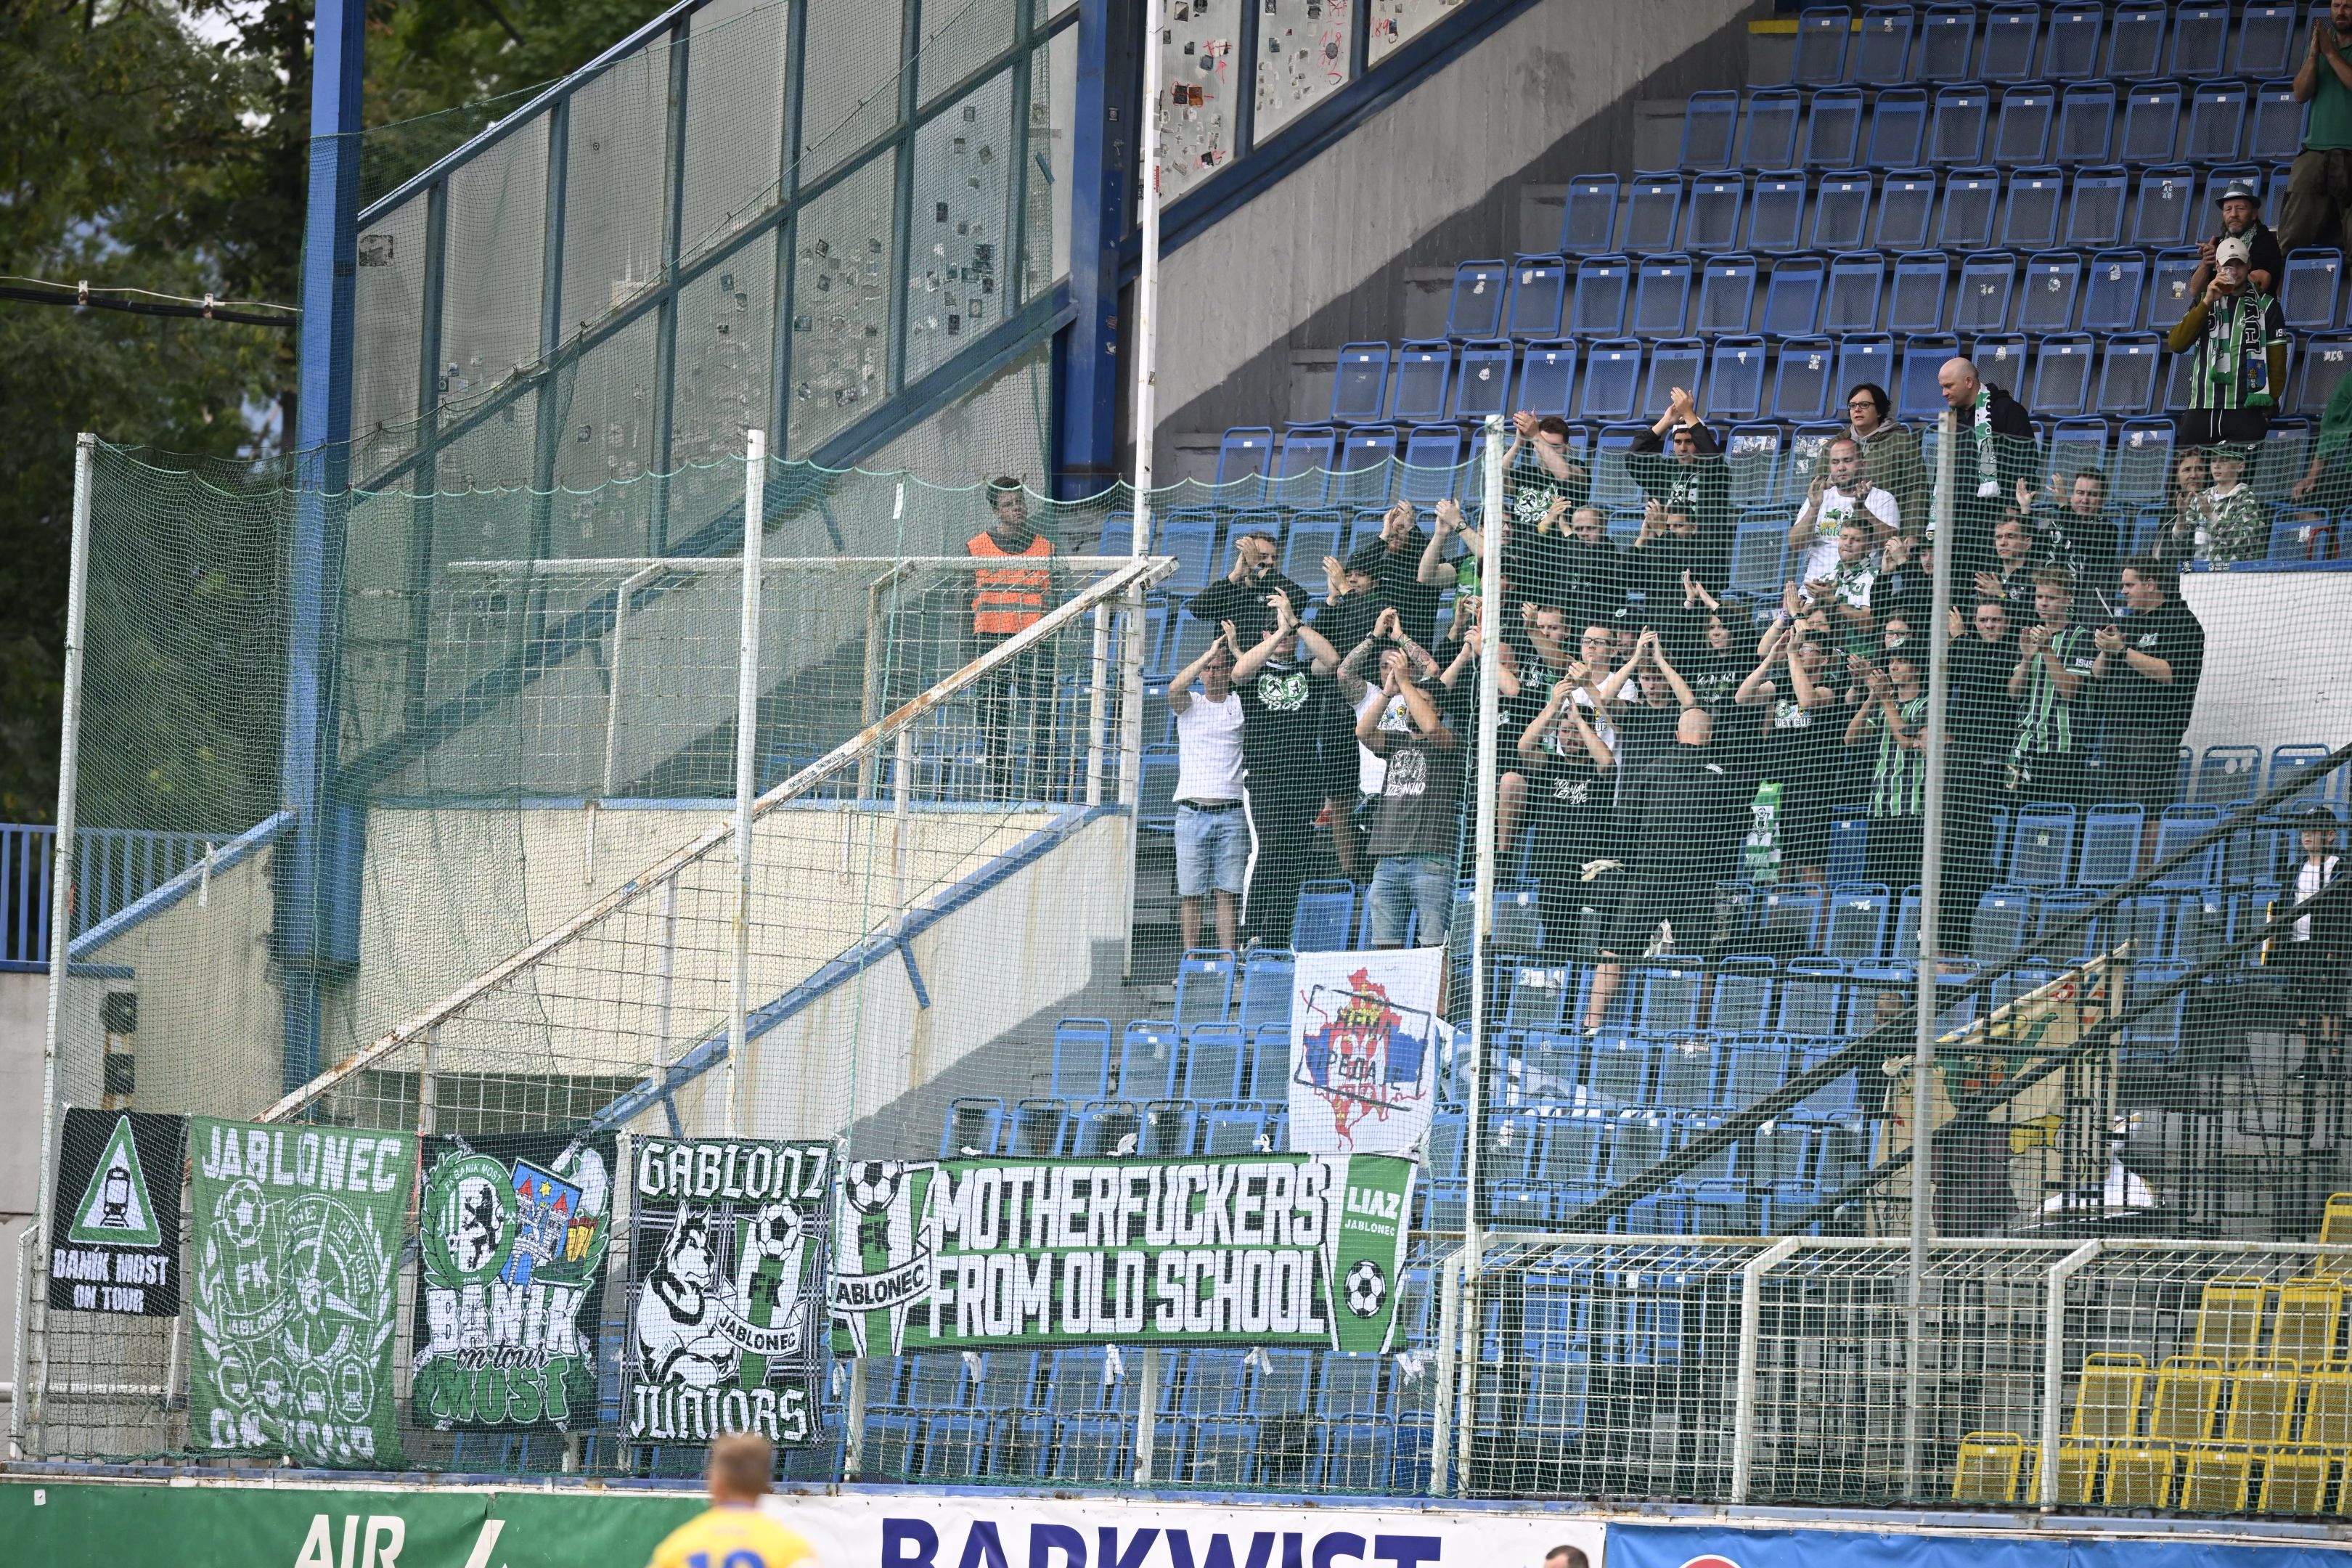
(1209,749)
(1837,511)
(1372,769)
(2309,878)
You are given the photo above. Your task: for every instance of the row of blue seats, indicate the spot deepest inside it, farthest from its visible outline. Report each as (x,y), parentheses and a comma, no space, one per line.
(1896,210)
(1892,45)
(1544,1166)
(2058,374)
(1354,1454)
(2031,279)
(1331,1384)
(2143,124)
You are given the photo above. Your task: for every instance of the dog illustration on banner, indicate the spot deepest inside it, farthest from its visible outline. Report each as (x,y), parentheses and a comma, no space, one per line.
(694,1322)
(1363,1050)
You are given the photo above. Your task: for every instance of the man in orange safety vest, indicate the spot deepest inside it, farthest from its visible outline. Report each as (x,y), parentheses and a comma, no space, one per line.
(1007,599)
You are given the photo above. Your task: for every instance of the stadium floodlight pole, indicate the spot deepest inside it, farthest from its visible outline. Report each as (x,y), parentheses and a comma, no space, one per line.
(1145,345)
(747,782)
(62,892)
(1932,817)
(1482,911)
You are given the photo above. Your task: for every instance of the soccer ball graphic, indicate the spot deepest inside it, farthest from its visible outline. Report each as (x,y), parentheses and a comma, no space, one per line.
(1366,1287)
(872,1184)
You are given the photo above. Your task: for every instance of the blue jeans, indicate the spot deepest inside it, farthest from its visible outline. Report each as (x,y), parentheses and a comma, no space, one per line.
(1211,850)
(1403,885)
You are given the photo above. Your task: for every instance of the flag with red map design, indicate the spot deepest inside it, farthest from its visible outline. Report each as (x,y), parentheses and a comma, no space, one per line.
(1364,1044)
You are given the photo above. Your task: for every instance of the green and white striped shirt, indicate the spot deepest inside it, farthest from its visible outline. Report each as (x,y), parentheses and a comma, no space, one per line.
(1898,780)
(2046,720)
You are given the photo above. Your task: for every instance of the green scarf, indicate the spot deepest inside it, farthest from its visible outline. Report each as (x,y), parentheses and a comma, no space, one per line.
(1988,464)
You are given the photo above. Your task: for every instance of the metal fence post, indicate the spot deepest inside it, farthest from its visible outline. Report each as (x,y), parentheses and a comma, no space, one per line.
(853,1423)
(1449,1316)
(1751,1327)
(1147,1424)
(747,768)
(2053,1362)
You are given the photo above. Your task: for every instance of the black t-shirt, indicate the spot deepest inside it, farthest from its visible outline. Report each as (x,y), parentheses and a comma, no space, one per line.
(1644,734)
(2084,546)
(1534,569)
(1655,572)
(1243,603)
(1982,715)
(1347,620)
(1396,574)
(2156,710)
(1591,583)
(1284,720)
(1416,813)
(1575,808)
(1804,749)
(1691,812)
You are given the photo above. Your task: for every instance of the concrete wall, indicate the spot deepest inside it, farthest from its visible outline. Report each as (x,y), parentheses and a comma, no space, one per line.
(1321,258)
(2278,668)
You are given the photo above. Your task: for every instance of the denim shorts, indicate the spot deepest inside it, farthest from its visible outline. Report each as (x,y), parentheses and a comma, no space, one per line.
(1212,848)
(1406,884)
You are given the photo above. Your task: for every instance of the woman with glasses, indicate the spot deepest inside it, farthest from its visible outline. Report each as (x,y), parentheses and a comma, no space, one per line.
(1890,453)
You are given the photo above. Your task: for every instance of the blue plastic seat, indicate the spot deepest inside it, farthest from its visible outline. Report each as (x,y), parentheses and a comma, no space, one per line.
(1082,1058)
(2129,368)
(1866,356)
(1734,378)
(1432,453)
(2030,220)
(2020,130)
(1157,784)
(2071,51)
(2313,281)
(1988,285)
(1856,283)
(1367,475)
(2143,466)
(1424,371)
(1803,381)
(2326,356)
(1653,211)
(2053,282)
(2274,126)
(2111,294)
(1243,458)
(1972,200)
(974,1126)
(2061,389)
(1792,298)
(1482,382)
(1916,396)
(2110,854)
(1907,201)
(1710,125)
(2151,122)
(1858,919)
(2086,124)
(1360,388)
(1264,994)
(1325,916)
(2136,40)
(1303,465)
(2200,37)
(1841,210)
(1597,310)
(2217,122)
(1214,1060)
(1833,129)
(1611,379)
(2003,359)
(2093,213)
(2269,40)
(1313,535)
(1916,302)
(1548,377)
(1882,47)
(1191,536)
(1948,41)
(1956,130)
(1756,549)
(2042,846)
(1474,308)
(1812,999)
(1751,459)
(1589,218)
(1767,130)
(1776,216)
(1711,216)
(2010,52)
(2163,213)
(1898,128)
(1204,988)
(1661,297)
(1821,44)
(1539,293)
(2168,297)
(1726,295)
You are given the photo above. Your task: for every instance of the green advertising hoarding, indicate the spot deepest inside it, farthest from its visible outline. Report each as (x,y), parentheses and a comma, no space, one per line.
(1272,1249)
(78,1525)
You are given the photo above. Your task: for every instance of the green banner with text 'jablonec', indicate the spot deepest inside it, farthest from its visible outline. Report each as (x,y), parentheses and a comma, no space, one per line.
(1276,1249)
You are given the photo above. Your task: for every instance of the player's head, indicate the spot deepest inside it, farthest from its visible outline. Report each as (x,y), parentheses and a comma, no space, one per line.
(740,1464)
(1565,1557)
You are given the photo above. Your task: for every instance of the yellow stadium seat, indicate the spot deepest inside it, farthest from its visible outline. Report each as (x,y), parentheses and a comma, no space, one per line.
(2294,1480)
(2216,1480)
(2078,1474)
(2334,1230)
(2138,1478)
(2106,1400)
(2187,1392)
(2261,1404)
(1987,1467)
(2305,1322)
(2327,1408)
(2230,1319)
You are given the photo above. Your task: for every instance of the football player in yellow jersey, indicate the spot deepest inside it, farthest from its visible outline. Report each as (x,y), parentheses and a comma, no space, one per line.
(733,1532)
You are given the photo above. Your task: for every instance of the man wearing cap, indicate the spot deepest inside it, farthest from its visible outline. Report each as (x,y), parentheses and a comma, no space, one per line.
(2241,219)
(2239,336)
(2319,188)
